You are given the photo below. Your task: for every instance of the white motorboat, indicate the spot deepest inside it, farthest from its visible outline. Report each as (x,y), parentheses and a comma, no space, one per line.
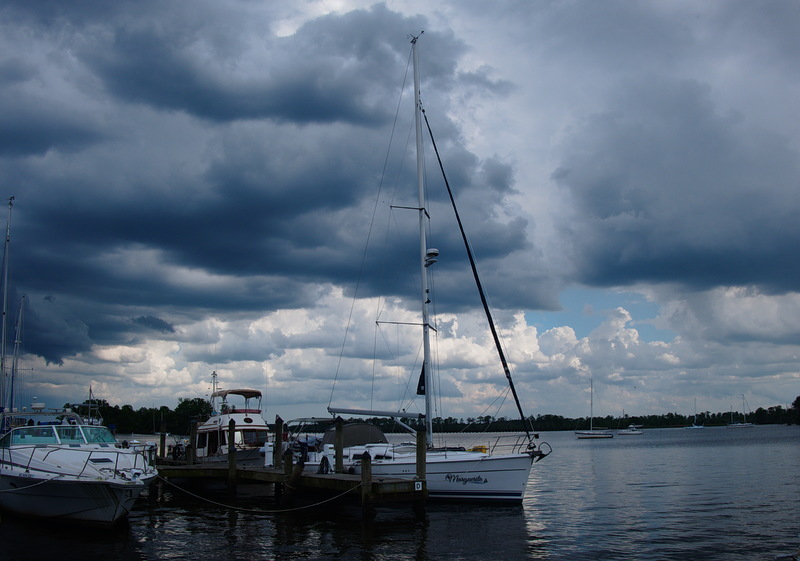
(250,428)
(480,473)
(52,465)
(631,430)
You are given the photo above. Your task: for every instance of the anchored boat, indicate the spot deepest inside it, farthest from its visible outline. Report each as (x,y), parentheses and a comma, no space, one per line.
(53,465)
(494,473)
(250,428)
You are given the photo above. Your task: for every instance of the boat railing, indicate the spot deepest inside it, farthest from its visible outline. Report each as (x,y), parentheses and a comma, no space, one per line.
(140,460)
(510,443)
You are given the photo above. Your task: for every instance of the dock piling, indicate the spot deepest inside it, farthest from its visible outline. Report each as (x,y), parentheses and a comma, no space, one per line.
(339,445)
(277,448)
(190,448)
(162,449)
(232,453)
(367,497)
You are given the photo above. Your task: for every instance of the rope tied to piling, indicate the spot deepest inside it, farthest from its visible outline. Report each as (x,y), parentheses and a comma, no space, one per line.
(258,510)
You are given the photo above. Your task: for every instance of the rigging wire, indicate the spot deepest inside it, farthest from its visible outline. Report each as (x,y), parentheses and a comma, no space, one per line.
(473,265)
(369,234)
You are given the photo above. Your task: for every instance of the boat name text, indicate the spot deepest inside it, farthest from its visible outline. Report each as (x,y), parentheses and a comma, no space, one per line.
(476,479)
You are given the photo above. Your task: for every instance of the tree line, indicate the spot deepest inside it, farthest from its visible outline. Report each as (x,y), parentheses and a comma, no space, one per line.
(150,420)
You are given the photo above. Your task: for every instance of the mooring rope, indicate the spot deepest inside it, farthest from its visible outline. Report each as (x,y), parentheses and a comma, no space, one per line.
(258,510)
(42,482)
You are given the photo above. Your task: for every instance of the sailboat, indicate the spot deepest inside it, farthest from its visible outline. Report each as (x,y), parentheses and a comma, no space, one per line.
(743,424)
(599,432)
(481,473)
(694,422)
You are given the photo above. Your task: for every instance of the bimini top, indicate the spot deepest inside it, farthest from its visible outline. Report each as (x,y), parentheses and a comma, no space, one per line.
(244,392)
(356,434)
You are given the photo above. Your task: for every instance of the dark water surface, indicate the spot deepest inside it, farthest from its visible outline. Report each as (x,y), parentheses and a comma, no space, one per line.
(669,494)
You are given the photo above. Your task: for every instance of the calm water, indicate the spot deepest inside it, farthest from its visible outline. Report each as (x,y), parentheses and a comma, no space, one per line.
(716,493)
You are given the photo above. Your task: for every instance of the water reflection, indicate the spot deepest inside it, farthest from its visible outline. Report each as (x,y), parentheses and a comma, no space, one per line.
(681,495)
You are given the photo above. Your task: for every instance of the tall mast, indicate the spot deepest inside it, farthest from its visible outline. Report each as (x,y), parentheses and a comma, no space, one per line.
(423,248)
(12,398)
(3,350)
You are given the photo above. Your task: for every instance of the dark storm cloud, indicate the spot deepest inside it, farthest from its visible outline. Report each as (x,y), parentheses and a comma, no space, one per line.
(191,172)
(30,125)
(154,323)
(669,189)
(320,74)
(34,133)
(146,68)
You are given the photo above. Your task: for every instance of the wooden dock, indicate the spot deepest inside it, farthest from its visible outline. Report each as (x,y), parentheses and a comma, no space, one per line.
(291,479)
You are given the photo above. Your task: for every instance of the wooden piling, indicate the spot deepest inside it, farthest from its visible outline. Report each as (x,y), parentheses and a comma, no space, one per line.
(418,506)
(277,448)
(162,449)
(367,495)
(290,479)
(232,453)
(190,448)
(422,472)
(339,446)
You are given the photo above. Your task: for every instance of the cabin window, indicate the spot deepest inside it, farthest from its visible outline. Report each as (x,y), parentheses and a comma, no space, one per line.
(33,435)
(98,435)
(70,435)
(252,437)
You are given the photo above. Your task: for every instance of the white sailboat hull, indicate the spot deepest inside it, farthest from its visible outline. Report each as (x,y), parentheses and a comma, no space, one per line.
(466,476)
(450,474)
(586,434)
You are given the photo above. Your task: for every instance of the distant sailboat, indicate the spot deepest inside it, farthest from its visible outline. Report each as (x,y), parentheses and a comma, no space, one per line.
(694,422)
(740,425)
(599,432)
